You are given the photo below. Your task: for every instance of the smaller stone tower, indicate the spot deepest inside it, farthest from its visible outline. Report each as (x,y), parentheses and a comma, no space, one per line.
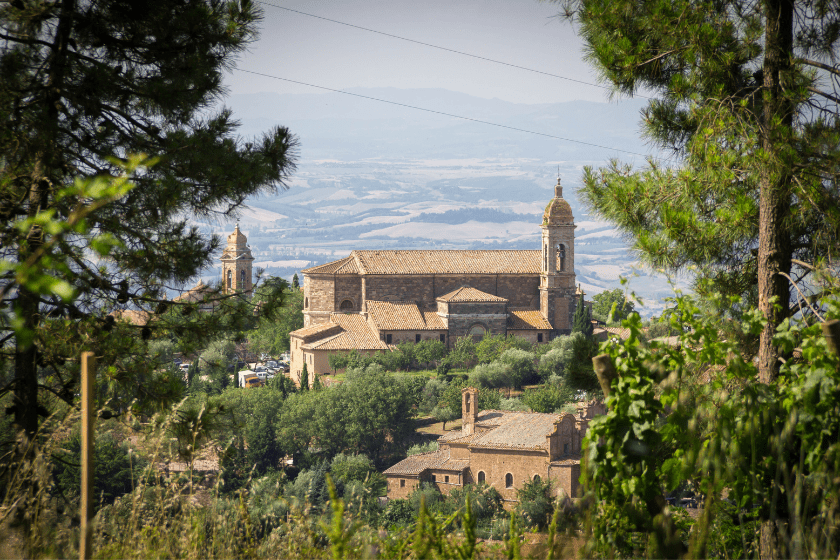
(236,264)
(557,279)
(469,409)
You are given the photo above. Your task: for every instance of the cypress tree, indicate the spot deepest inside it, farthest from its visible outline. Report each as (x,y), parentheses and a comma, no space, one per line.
(582,321)
(304,379)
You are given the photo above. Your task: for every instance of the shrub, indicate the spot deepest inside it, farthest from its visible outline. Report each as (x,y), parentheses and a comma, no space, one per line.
(547,398)
(513,404)
(535,503)
(113,475)
(521,364)
(431,394)
(493,375)
(418,448)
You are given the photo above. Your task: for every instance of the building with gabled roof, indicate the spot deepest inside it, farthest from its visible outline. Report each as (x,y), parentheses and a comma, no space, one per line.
(443,295)
(501,448)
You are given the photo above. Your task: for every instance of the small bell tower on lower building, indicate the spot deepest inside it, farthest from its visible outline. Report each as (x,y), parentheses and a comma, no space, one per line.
(237,275)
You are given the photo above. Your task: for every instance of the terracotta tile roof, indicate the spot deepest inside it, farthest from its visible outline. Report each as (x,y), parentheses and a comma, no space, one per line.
(195,293)
(448,262)
(316,331)
(568,459)
(606,333)
(527,319)
(355,334)
(466,293)
(509,430)
(347,265)
(136,317)
(402,316)
(437,460)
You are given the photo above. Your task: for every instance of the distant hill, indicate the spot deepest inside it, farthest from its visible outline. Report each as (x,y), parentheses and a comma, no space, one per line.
(373,175)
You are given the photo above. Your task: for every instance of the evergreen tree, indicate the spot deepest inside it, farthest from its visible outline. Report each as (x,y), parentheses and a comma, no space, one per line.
(83,86)
(582,321)
(295,282)
(745,97)
(304,379)
(316,382)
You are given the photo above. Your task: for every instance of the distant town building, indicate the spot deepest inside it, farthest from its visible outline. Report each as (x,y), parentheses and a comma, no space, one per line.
(372,300)
(236,264)
(501,448)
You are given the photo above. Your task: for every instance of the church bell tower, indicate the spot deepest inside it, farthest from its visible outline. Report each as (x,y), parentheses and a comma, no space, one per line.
(557,278)
(236,264)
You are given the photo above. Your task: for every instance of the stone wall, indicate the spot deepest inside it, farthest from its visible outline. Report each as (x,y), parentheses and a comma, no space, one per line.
(519,290)
(566,477)
(318,293)
(348,287)
(399,288)
(497,463)
(491,316)
(411,336)
(401,486)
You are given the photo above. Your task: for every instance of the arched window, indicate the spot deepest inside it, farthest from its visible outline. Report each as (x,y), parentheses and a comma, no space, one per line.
(508,480)
(561,252)
(467,401)
(537,478)
(477,331)
(481,476)
(306,302)
(242,279)
(230,279)
(346,305)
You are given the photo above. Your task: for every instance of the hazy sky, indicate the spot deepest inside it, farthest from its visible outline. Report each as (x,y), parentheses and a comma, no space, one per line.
(522,32)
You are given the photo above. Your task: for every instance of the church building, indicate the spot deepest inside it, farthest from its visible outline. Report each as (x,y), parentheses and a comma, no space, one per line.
(372,300)
(503,449)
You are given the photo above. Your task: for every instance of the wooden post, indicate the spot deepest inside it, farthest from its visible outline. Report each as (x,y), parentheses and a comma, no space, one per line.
(88,379)
(605,370)
(831,332)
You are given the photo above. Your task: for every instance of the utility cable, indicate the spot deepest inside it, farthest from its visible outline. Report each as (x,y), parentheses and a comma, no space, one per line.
(449,114)
(479,57)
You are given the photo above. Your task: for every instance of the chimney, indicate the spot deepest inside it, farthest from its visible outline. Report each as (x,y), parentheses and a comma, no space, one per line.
(469,410)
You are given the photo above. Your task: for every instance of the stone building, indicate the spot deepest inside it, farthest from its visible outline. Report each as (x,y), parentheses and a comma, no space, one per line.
(501,448)
(236,264)
(401,296)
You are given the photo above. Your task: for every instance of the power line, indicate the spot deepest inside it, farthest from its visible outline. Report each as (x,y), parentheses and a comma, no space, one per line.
(448,114)
(442,48)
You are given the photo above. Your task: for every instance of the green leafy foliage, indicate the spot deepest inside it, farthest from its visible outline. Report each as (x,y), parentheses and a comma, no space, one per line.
(116,469)
(548,398)
(695,416)
(582,322)
(271,334)
(602,306)
(102,90)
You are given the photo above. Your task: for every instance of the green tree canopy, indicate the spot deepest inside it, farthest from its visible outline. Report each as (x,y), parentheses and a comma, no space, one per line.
(602,305)
(82,87)
(745,98)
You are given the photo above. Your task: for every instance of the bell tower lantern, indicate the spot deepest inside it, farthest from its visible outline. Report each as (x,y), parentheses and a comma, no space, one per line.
(557,277)
(236,264)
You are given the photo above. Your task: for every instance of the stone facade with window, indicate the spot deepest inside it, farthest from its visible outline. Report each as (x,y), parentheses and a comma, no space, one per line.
(443,295)
(500,448)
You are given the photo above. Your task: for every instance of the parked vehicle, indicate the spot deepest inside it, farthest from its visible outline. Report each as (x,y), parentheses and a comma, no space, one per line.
(252,382)
(271,364)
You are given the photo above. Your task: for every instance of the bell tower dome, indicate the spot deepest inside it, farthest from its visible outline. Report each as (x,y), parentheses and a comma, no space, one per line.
(236,264)
(557,277)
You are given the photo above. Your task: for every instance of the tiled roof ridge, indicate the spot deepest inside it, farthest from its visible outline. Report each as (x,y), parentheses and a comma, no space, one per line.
(332,267)
(477,295)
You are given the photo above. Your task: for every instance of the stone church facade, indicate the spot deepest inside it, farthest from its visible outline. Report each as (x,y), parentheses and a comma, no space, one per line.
(502,449)
(373,300)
